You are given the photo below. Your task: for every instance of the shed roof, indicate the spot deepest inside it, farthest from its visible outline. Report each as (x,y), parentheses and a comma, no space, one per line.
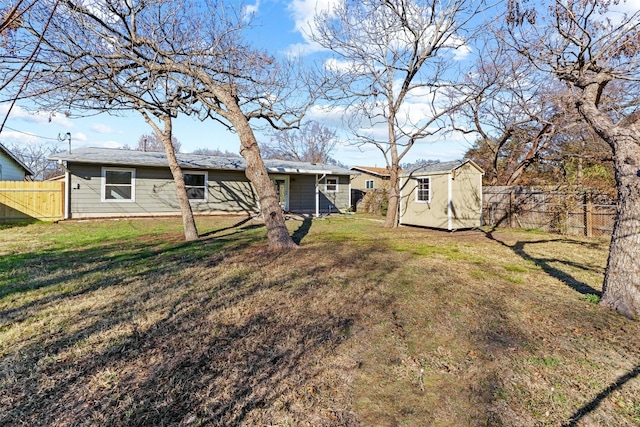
(382,172)
(15,159)
(441,167)
(120,157)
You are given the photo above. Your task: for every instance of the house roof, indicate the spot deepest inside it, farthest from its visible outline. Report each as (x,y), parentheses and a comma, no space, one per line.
(382,172)
(441,167)
(15,159)
(120,157)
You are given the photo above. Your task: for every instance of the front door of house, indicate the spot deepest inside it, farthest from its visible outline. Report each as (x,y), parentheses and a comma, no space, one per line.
(281,184)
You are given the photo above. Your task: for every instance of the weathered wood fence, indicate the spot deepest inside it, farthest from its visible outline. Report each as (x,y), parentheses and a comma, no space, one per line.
(559,211)
(23,201)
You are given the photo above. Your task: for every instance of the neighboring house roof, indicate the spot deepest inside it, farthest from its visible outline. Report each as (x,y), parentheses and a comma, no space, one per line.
(441,167)
(381,172)
(119,157)
(15,159)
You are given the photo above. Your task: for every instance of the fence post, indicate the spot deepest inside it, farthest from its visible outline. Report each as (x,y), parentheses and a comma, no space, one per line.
(588,217)
(512,204)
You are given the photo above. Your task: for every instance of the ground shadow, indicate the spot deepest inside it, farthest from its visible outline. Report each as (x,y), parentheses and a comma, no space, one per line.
(235,226)
(302,231)
(202,362)
(519,248)
(6,224)
(595,402)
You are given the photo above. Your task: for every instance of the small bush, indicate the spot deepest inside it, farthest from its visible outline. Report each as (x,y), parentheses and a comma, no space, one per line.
(592,298)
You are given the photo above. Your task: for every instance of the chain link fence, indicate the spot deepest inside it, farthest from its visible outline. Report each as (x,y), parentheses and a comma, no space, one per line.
(550,209)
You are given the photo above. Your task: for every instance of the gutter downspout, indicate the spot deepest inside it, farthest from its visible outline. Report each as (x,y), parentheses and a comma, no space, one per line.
(400,202)
(450,202)
(67,190)
(318,194)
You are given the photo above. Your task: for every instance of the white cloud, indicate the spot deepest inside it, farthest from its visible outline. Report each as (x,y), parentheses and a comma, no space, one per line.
(251,9)
(102,128)
(13,137)
(20,114)
(303,12)
(629,6)
(79,136)
(106,144)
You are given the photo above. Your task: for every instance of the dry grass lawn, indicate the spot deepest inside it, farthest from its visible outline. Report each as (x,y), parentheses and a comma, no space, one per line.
(121,323)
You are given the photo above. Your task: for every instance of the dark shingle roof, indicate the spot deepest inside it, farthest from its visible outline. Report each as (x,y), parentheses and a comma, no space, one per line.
(119,157)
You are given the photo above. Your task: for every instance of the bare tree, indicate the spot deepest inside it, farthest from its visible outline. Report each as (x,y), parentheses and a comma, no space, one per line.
(311,142)
(393,59)
(17,58)
(214,152)
(514,110)
(592,49)
(529,130)
(150,142)
(34,156)
(163,58)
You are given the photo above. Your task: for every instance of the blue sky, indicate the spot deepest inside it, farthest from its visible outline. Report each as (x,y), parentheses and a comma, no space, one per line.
(277,28)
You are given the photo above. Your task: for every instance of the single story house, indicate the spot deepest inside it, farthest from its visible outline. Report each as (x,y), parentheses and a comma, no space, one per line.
(445,195)
(103,182)
(12,168)
(368,178)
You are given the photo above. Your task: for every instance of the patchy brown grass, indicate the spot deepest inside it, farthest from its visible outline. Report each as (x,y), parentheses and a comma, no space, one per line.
(121,323)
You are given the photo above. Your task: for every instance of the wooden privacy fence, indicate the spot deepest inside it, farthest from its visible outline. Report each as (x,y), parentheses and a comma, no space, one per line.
(23,201)
(566,212)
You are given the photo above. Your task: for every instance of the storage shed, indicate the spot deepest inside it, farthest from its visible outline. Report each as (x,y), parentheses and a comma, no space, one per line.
(445,195)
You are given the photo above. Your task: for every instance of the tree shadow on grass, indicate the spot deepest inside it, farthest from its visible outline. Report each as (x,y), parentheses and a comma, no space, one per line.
(595,402)
(519,248)
(219,354)
(72,273)
(302,231)
(237,227)
(4,225)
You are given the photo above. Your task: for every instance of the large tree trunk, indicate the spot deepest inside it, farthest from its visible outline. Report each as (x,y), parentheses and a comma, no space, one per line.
(621,287)
(277,233)
(188,221)
(391,220)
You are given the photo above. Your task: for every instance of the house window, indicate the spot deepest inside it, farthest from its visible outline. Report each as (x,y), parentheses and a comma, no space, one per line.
(423,190)
(331,185)
(118,185)
(368,184)
(196,183)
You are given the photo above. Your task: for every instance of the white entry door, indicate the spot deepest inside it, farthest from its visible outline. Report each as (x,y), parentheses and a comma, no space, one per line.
(281,184)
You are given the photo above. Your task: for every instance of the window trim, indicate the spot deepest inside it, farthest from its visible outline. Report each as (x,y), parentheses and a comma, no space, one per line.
(205,187)
(103,185)
(366,184)
(419,191)
(326,184)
